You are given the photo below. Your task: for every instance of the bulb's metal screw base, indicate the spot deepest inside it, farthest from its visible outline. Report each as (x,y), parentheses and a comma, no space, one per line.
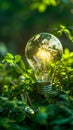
(44,88)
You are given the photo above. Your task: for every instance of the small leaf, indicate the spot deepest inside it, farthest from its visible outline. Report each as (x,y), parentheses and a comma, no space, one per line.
(17,58)
(9,56)
(42,7)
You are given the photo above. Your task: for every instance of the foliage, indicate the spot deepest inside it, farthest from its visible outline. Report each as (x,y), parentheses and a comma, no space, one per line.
(42,5)
(63,29)
(22,108)
(20,19)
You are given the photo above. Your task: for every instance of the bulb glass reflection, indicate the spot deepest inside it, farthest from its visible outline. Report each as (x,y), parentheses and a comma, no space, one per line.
(40,51)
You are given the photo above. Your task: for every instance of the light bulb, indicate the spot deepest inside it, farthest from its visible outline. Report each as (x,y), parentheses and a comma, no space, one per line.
(40,51)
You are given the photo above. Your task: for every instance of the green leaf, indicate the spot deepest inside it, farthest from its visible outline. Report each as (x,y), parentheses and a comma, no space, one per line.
(17,58)
(9,58)
(42,7)
(20,117)
(62,121)
(41,118)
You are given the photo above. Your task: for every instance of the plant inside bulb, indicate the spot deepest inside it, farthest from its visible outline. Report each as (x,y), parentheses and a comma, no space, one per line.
(41,50)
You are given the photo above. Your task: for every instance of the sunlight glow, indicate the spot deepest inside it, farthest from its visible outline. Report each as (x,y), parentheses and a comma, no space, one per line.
(43,55)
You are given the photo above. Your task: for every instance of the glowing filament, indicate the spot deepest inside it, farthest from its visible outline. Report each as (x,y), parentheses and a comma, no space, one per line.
(43,56)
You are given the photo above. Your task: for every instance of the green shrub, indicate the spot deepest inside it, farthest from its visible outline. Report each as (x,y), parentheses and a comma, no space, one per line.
(22,108)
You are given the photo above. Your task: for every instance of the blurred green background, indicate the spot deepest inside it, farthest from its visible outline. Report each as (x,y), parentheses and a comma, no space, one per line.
(21,19)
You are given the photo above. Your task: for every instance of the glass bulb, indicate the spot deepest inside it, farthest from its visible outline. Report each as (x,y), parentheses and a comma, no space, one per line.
(40,51)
